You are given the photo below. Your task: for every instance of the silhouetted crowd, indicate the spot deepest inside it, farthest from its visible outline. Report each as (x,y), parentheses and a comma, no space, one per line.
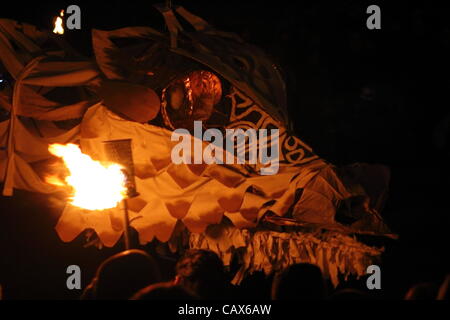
(201,275)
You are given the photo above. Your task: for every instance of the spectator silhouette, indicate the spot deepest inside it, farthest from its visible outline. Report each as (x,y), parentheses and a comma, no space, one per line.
(422,291)
(163,291)
(122,275)
(299,282)
(201,272)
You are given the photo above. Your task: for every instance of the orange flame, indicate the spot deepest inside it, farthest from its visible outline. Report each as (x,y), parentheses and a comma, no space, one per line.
(59,28)
(95,186)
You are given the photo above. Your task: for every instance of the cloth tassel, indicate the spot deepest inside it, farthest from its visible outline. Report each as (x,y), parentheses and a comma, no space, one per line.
(338,256)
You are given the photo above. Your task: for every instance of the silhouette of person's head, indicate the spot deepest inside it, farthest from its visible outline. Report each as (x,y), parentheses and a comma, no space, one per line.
(299,282)
(202,273)
(163,291)
(422,291)
(123,274)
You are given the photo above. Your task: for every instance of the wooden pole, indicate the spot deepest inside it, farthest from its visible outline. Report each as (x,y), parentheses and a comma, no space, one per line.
(126,224)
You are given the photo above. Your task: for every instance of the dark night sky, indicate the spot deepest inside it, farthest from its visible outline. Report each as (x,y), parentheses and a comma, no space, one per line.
(355,95)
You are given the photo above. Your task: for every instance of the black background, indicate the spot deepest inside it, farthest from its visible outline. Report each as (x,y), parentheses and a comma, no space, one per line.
(355,95)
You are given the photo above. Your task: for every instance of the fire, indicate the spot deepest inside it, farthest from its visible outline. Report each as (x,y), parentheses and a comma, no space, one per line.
(59,28)
(94,185)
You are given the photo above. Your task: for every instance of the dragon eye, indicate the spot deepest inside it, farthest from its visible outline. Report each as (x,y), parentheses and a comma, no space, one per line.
(190,98)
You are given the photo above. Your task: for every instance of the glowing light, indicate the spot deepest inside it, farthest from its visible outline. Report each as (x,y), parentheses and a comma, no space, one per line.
(59,27)
(94,185)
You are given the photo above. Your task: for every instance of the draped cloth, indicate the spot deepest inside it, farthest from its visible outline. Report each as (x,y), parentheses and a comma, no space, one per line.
(339,256)
(198,195)
(48,85)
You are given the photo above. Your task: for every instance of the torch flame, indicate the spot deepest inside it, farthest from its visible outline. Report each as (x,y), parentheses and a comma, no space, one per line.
(95,186)
(59,29)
